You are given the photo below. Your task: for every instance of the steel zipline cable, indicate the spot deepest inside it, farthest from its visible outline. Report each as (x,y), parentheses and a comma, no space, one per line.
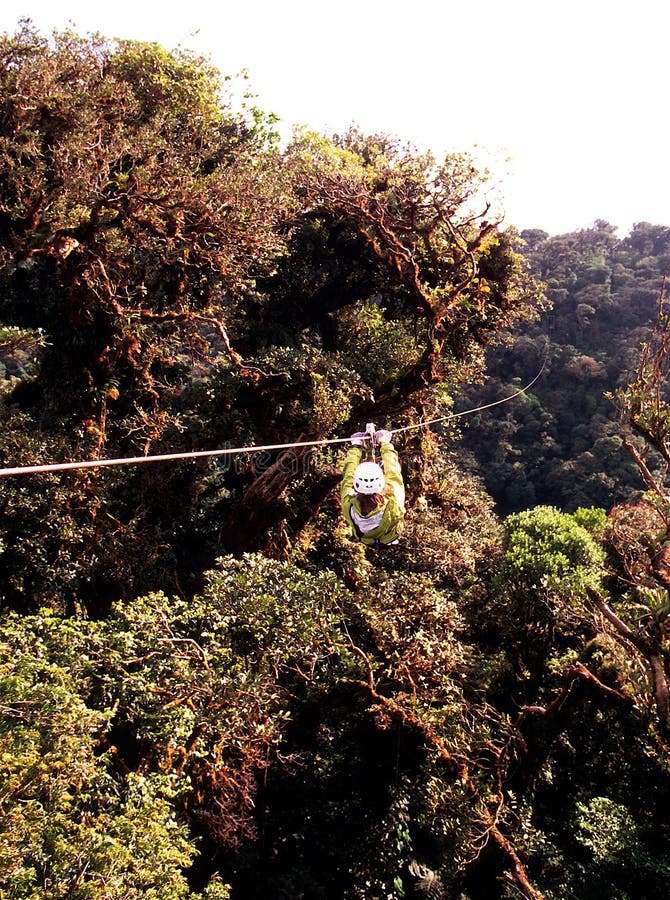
(164,457)
(476,409)
(231,451)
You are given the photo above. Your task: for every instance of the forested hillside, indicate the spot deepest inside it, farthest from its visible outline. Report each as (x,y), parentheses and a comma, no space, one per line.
(561,443)
(207,688)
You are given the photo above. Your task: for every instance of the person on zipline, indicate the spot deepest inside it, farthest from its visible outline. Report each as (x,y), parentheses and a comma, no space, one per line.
(373,495)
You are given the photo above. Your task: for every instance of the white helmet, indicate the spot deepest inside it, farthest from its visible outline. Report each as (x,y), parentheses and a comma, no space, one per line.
(369,479)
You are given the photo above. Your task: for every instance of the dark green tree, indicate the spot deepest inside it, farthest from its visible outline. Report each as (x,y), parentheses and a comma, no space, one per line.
(561,446)
(190,285)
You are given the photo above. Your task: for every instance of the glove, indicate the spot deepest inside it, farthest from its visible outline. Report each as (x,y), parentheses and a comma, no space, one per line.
(358,439)
(382,437)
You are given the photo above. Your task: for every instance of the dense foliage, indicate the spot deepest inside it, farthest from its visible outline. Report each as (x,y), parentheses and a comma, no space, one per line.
(206,689)
(561,443)
(170,280)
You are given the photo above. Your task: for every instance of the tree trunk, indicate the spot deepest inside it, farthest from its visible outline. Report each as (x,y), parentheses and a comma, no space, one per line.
(659,684)
(250,527)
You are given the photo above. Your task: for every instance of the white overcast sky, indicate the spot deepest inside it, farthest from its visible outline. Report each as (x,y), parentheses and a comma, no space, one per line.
(566,101)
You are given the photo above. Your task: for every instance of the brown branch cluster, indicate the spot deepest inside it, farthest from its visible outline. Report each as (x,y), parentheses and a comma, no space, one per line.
(459,768)
(649,649)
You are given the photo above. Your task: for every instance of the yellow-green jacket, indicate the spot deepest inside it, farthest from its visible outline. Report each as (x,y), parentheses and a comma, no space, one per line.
(393,507)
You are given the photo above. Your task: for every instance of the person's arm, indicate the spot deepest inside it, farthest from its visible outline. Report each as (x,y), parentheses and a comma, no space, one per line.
(393,473)
(351,462)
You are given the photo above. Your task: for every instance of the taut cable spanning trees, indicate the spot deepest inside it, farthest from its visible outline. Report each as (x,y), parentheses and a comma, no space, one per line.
(231,451)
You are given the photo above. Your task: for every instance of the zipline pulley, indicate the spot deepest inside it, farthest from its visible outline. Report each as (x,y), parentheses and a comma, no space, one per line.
(370,430)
